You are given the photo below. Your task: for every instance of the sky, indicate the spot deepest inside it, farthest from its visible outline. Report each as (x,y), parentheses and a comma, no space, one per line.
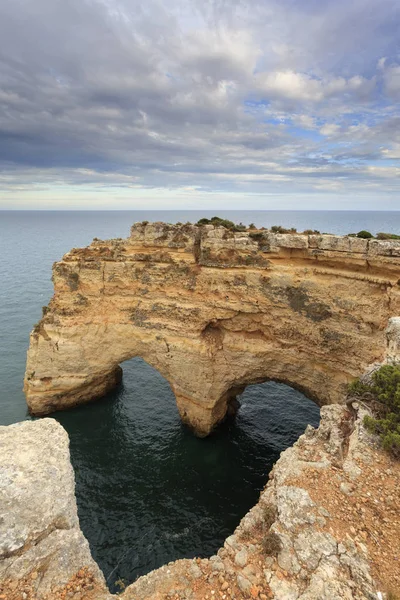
(263,104)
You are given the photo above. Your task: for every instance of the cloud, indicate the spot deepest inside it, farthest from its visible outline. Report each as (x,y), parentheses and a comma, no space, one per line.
(392,81)
(329,129)
(257,96)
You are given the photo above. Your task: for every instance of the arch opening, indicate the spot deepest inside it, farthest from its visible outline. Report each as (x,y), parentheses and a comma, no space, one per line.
(165,494)
(231,399)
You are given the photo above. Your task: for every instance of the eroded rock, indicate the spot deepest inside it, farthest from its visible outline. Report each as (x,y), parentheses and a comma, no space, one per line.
(40,538)
(215,310)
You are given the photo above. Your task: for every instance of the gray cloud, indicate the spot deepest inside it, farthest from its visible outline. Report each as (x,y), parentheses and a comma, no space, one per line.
(267,96)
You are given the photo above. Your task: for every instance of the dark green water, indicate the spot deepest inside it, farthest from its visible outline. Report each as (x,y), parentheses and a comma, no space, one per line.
(148,491)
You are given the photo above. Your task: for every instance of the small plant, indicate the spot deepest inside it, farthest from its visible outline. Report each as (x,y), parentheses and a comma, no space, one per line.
(218,222)
(271,543)
(145,223)
(269,515)
(365,235)
(387,236)
(280,229)
(256,235)
(239,227)
(383,395)
(45,310)
(311,232)
(252,226)
(121,584)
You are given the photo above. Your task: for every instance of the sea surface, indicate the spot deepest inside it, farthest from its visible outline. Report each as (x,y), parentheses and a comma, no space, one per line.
(148,491)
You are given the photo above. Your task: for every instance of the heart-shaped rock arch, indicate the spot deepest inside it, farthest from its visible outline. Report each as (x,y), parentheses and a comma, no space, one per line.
(214,311)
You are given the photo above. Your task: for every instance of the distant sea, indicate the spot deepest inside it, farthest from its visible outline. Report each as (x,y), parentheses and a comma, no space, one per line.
(149,492)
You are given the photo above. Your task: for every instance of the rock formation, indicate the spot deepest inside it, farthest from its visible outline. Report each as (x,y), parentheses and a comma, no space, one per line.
(338,532)
(41,545)
(215,311)
(338,537)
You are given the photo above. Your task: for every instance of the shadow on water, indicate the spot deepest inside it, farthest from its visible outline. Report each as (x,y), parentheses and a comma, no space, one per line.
(149,492)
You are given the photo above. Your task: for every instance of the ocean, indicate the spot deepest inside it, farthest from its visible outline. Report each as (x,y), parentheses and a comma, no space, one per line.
(148,491)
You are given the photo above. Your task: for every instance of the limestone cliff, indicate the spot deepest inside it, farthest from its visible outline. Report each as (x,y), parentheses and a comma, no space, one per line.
(214,311)
(42,549)
(338,531)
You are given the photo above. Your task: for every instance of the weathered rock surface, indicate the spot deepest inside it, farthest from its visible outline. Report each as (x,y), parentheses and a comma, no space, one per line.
(41,545)
(338,535)
(325,554)
(214,311)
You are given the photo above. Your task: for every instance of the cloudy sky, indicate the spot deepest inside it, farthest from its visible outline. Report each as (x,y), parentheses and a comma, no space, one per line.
(265,104)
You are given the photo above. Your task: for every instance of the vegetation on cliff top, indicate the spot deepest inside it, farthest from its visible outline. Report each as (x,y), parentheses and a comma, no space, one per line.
(220,222)
(382,394)
(366,235)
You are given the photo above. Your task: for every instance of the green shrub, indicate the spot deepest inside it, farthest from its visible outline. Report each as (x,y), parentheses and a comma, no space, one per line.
(387,236)
(252,226)
(256,235)
(383,395)
(218,222)
(271,544)
(239,227)
(280,229)
(311,232)
(365,235)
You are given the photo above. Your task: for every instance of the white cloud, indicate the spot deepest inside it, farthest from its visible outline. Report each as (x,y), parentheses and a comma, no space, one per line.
(329,129)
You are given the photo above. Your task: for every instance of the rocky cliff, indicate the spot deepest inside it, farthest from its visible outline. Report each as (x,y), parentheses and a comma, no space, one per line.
(336,532)
(42,549)
(214,311)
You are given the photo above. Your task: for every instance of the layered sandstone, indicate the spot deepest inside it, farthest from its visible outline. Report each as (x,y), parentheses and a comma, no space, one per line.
(215,311)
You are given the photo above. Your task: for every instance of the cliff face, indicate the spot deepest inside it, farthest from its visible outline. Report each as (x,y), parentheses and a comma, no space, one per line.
(338,532)
(42,549)
(214,311)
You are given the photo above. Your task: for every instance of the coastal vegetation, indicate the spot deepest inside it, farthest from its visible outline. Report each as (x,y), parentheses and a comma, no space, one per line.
(220,222)
(382,394)
(366,235)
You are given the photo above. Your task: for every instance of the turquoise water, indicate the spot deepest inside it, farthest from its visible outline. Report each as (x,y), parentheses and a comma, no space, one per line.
(148,491)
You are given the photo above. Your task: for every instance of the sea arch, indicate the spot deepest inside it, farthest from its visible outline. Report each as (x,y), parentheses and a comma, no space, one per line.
(214,311)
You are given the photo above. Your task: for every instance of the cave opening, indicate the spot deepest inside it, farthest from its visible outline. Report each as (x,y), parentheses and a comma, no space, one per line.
(149,491)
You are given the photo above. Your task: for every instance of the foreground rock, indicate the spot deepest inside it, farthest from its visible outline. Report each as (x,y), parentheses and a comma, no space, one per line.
(43,553)
(214,311)
(332,503)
